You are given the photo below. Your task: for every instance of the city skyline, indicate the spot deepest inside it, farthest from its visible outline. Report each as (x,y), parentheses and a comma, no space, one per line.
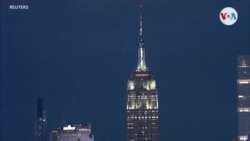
(77,55)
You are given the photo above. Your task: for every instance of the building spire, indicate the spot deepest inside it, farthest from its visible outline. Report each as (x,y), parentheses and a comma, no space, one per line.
(140,22)
(141,50)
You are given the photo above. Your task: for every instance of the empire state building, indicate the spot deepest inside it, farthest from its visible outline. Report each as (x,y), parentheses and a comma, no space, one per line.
(142,99)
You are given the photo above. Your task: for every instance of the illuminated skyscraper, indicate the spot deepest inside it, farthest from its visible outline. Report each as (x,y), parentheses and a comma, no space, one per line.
(76,132)
(142,99)
(40,124)
(243,96)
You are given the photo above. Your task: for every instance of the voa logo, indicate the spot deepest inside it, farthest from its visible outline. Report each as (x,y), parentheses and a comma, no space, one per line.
(228,16)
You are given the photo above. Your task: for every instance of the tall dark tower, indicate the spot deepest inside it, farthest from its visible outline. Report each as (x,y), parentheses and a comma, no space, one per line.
(244,97)
(142,100)
(40,125)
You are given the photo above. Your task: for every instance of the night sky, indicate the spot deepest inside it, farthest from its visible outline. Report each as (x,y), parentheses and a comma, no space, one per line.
(78,55)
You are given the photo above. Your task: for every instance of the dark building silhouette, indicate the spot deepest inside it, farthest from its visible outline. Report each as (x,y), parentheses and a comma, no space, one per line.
(243,97)
(40,123)
(142,99)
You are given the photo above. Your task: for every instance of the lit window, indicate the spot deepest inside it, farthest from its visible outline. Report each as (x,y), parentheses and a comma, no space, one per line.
(240,96)
(243,138)
(246,109)
(244,81)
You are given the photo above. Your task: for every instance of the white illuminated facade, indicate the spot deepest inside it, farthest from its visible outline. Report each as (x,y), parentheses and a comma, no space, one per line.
(243,97)
(142,100)
(76,132)
(142,107)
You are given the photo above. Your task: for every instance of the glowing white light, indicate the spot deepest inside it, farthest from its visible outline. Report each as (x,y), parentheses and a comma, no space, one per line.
(242,138)
(131,105)
(69,127)
(247,109)
(84,130)
(149,106)
(131,85)
(244,81)
(244,66)
(152,84)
